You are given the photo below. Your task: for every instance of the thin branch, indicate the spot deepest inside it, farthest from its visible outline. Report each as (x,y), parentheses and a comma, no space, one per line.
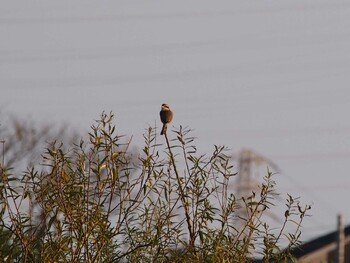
(182,196)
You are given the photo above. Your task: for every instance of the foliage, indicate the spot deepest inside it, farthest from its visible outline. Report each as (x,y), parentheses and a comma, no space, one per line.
(23,140)
(93,203)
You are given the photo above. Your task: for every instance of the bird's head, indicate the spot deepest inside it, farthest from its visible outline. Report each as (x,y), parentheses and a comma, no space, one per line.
(165,106)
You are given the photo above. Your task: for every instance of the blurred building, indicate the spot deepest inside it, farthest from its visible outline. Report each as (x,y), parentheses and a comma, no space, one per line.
(332,247)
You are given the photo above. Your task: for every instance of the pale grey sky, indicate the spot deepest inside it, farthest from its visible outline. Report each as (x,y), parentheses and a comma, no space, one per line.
(271,76)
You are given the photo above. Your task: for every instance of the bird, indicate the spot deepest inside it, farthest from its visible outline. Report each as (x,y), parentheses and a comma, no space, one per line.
(166,116)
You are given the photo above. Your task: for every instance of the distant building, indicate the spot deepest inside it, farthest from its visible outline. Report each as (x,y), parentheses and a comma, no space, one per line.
(324,249)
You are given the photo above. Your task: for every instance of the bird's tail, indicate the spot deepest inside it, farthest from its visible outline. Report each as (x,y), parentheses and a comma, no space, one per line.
(163,129)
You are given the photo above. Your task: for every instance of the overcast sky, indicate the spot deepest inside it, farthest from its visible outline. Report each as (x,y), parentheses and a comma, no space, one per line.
(270,76)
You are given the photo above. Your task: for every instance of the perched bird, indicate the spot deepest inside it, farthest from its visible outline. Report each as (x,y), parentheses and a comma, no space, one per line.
(166,116)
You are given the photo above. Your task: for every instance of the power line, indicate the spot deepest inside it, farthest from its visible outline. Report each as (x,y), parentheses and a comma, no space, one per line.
(246,10)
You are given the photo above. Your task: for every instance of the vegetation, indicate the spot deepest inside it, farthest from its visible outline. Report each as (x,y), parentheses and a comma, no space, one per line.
(95,203)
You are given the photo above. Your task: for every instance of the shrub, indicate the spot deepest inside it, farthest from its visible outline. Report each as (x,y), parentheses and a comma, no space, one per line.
(95,203)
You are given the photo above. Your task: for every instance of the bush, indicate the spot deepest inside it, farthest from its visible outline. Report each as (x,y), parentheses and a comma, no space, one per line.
(94,203)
